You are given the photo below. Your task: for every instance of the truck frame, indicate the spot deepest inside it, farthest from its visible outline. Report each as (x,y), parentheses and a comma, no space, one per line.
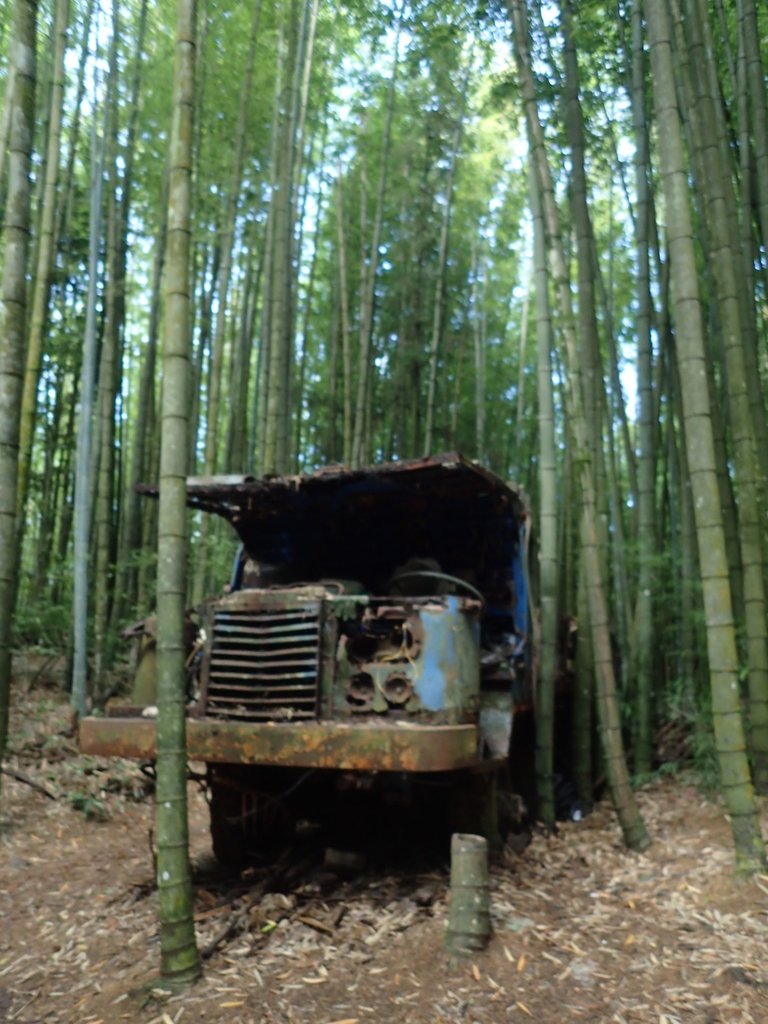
(374,635)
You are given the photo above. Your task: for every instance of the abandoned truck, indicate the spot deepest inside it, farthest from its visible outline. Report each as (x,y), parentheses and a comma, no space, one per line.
(373,637)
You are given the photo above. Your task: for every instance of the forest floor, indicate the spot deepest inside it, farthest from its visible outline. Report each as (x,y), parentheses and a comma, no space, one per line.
(583,929)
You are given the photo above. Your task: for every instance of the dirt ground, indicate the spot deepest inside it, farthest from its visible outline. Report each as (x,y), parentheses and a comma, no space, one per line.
(583,930)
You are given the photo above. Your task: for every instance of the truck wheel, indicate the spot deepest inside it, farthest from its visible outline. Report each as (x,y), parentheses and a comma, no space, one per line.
(227,834)
(248,818)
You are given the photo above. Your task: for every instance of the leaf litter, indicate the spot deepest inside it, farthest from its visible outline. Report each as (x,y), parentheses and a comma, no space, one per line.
(583,929)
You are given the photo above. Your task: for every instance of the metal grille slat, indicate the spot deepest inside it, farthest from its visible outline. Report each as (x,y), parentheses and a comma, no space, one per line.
(264,663)
(239,629)
(251,615)
(245,714)
(267,677)
(276,701)
(262,643)
(250,650)
(283,691)
(287,662)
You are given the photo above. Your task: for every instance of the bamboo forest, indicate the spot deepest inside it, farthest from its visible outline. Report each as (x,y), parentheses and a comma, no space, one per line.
(246,241)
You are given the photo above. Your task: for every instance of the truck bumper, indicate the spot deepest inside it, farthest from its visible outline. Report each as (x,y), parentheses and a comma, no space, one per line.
(349,747)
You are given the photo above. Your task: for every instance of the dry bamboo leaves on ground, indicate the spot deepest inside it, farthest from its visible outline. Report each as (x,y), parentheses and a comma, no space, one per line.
(583,931)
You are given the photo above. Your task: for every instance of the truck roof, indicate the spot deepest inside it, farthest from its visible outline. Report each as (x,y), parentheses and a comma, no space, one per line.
(239,497)
(332,521)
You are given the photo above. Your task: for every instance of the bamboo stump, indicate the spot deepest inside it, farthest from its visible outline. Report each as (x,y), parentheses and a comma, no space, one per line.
(469,922)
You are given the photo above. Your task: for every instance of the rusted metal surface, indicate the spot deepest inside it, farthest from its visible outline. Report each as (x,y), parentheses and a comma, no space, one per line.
(362,524)
(350,634)
(366,525)
(289,655)
(417,656)
(233,496)
(350,747)
(449,675)
(262,660)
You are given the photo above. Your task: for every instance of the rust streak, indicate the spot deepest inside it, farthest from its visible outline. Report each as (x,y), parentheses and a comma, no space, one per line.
(313,745)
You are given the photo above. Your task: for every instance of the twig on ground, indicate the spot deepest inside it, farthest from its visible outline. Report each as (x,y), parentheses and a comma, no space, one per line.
(20,776)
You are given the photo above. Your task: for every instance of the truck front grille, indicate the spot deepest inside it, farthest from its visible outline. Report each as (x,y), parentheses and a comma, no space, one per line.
(264,664)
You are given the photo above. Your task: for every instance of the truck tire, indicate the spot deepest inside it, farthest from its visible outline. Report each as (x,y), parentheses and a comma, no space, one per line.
(227,833)
(249,818)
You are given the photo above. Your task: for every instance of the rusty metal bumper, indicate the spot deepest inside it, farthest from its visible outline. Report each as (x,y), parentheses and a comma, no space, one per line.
(350,747)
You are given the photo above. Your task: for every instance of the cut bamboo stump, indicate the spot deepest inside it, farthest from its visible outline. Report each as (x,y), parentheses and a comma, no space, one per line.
(469,921)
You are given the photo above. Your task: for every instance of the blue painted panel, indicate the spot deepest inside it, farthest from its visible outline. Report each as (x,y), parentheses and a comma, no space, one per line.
(520,578)
(449,661)
(435,656)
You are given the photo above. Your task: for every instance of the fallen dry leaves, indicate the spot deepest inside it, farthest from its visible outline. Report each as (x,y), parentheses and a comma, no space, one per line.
(583,930)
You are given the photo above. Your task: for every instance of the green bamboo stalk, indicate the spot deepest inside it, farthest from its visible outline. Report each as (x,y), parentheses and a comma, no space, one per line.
(13,323)
(179,959)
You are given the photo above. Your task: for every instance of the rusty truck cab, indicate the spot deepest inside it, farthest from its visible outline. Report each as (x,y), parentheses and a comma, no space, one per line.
(375,628)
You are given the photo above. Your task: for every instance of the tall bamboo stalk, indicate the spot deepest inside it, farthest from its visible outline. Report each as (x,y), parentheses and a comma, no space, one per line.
(439,300)
(369,267)
(13,323)
(548,547)
(84,454)
(41,288)
(622,795)
(721,637)
(229,217)
(179,959)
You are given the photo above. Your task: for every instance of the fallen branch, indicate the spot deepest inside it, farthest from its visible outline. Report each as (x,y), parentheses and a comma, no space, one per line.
(234,924)
(41,671)
(14,773)
(239,919)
